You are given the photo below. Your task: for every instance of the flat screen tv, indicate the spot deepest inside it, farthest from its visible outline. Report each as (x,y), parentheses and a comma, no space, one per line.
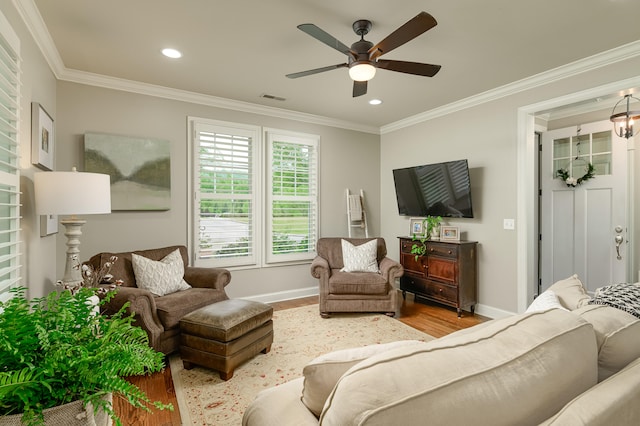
(441,189)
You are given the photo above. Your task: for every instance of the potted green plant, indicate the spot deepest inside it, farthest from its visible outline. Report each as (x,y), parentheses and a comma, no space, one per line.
(431,225)
(56,351)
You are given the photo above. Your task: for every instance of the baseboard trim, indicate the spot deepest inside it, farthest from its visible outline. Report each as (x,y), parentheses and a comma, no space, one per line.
(281,296)
(491,312)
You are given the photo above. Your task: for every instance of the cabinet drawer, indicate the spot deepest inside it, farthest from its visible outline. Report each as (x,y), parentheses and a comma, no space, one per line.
(442,269)
(405,245)
(411,265)
(408,283)
(440,249)
(441,291)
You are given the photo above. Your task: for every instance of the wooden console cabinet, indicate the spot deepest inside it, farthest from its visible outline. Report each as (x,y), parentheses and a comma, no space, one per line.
(446,273)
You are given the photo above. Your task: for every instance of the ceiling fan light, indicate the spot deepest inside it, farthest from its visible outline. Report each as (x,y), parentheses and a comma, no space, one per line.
(362,72)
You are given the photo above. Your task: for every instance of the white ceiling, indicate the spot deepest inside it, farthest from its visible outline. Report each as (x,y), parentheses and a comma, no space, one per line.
(241,49)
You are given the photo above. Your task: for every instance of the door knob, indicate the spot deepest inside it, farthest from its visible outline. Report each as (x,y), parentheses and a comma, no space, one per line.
(618,239)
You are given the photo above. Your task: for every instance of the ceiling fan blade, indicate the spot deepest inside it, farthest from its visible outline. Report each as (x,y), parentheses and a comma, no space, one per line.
(316,71)
(410,30)
(416,68)
(326,38)
(359,88)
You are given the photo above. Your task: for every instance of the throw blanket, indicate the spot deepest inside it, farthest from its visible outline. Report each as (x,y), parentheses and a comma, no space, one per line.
(624,296)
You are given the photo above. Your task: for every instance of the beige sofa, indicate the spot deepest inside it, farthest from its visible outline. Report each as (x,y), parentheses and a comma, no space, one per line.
(549,367)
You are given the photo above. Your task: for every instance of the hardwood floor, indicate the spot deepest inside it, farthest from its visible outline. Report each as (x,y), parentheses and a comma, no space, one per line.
(433,319)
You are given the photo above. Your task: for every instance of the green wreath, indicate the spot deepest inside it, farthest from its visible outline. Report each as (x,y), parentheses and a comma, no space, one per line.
(573,182)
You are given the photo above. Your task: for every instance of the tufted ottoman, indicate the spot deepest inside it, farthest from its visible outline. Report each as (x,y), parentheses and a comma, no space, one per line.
(225,334)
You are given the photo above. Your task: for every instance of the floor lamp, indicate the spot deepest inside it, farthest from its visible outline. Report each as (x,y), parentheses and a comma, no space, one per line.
(72,193)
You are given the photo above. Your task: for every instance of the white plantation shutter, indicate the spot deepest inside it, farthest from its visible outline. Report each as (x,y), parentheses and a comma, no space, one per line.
(292,191)
(9,156)
(225,167)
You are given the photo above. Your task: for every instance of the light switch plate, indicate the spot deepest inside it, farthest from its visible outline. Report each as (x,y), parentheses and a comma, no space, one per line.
(509,224)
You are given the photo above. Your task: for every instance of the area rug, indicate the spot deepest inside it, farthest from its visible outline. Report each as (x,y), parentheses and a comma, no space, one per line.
(300,335)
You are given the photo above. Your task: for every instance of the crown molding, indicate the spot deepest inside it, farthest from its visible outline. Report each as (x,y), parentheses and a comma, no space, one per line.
(35,24)
(618,54)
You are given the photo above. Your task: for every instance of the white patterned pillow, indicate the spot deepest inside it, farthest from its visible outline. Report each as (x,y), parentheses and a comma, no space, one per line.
(545,300)
(160,277)
(362,258)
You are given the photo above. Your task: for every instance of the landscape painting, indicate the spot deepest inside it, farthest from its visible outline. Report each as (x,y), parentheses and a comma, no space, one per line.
(140,169)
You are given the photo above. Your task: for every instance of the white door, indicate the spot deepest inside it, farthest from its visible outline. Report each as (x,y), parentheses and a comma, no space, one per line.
(584,228)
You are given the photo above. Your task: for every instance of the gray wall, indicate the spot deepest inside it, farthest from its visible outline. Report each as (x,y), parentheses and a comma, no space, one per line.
(486,135)
(348,159)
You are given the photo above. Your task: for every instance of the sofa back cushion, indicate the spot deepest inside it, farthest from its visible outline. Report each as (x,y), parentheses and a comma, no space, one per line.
(617,334)
(123,268)
(518,370)
(611,402)
(330,248)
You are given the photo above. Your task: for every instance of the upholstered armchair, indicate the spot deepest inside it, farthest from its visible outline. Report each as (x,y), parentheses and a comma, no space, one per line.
(346,290)
(159,316)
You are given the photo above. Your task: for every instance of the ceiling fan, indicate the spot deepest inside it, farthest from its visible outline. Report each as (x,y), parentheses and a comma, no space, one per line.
(363,56)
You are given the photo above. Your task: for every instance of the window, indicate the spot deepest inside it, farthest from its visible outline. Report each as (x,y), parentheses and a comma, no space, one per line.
(9,167)
(225,203)
(292,196)
(254,204)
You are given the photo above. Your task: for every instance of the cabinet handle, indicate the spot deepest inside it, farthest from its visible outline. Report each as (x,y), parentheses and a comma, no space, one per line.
(450,252)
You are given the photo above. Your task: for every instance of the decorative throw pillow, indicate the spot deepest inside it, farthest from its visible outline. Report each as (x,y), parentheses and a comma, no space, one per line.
(322,374)
(362,258)
(570,292)
(545,300)
(624,296)
(160,277)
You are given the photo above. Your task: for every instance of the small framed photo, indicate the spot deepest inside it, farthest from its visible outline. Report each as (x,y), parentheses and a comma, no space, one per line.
(42,137)
(449,233)
(417,227)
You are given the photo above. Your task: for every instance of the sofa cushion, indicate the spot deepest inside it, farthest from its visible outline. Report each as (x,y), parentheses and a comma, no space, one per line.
(322,374)
(617,334)
(360,258)
(357,283)
(172,307)
(517,370)
(571,292)
(611,402)
(160,277)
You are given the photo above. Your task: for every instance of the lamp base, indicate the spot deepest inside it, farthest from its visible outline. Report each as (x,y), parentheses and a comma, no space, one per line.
(72,274)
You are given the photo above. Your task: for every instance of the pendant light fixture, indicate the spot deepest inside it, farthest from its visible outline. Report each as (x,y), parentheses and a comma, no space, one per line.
(623,120)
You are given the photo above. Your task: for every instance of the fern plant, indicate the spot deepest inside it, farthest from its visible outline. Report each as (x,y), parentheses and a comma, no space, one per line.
(56,349)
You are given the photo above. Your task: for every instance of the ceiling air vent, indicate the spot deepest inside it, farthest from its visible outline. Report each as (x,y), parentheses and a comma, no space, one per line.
(272,97)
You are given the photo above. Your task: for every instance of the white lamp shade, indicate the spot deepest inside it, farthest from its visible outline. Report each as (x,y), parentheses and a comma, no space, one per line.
(72,193)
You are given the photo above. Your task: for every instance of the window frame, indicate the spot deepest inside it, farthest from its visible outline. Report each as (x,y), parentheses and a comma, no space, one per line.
(236,129)
(297,138)
(10,102)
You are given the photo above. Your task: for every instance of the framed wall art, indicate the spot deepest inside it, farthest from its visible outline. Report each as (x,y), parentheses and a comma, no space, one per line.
(449,233)
(42,137)
(48,224)
(140,169)
(417,227)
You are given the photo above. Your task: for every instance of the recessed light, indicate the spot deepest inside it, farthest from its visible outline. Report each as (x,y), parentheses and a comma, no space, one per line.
(375,102)
(172,53)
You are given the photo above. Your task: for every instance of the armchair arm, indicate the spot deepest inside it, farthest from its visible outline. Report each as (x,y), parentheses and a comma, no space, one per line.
(216,278)
(390,269)
(319,266)
(142,305)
